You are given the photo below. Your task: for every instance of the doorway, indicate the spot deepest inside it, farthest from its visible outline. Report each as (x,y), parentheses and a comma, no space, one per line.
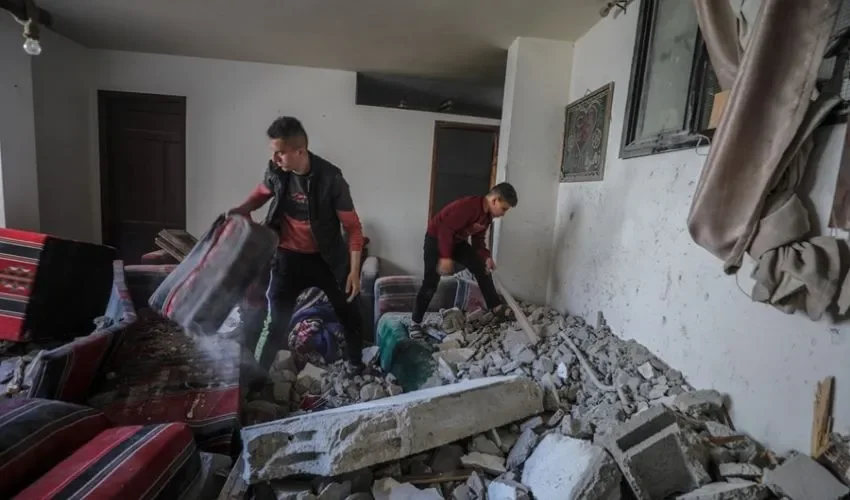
(463,163)
(142,169)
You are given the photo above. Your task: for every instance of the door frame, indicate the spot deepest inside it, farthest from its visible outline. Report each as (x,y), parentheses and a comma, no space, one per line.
(103,98)
(440,124)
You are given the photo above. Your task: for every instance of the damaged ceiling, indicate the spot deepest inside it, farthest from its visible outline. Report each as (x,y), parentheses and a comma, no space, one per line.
(434,38)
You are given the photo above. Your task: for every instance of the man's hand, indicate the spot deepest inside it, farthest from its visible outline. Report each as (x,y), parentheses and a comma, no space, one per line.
(240,210)
(445,266)
(490,264)
(352,285)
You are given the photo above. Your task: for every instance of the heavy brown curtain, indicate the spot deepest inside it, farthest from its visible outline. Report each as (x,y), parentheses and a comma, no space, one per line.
(746,200)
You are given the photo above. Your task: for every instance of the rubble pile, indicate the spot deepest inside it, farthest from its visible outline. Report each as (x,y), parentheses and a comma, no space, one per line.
(581,414)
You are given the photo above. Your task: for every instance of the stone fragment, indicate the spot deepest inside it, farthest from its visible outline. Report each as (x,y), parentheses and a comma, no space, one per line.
(335,491)
(384,430)
(457,337)
(455,356)
(509,366)
(282,391)
(394,390)
(445,369)
(372,391)
(483,462)
(745,471)
(656,456)
(514,342)
(563,371)
(699,403)
(447,458)
(359,496)
(522,449)
(476,485)
(287,490)
(533,423)
(508,439)
(503,489)
(716,429)
(461,492)
(801,478)
(658,392)
(646,371)
(484,445)
(449,343)
(563,468)
(369,355)
(556,418)
(310,379)
(525,357)
(283,361)
(728,491)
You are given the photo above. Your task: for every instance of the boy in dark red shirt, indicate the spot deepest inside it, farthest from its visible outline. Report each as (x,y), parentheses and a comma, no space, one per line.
(446,243)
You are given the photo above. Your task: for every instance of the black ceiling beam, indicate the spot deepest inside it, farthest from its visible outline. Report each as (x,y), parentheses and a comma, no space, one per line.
(19,10)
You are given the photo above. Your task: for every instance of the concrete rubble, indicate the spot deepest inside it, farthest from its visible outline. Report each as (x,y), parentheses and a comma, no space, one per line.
(581,414)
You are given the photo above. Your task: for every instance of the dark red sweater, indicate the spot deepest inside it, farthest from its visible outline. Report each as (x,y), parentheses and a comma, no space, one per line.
(458,221)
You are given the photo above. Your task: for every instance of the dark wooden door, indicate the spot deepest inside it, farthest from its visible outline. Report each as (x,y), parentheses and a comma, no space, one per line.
(464,162)
(142,169)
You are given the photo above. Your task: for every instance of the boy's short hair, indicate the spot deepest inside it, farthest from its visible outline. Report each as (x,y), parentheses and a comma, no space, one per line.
(288,128)
(506,192)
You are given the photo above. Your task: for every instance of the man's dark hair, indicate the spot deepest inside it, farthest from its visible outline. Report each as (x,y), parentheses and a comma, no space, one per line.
(287,128)
(506,192)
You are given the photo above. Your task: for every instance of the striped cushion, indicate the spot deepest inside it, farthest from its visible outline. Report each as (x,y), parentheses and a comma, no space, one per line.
(68,372)
(36,434)
(50,287)
(135,462)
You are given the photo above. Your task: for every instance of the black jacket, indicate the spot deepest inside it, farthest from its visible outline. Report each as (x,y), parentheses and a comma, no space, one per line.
(324,184)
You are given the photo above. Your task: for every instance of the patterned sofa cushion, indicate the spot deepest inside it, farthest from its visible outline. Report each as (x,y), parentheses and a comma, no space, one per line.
(133,462)
(36,434)
(68,372)
(398,293)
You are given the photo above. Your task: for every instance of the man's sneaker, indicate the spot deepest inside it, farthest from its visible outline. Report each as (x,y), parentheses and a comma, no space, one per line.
(416,332)
(502,313)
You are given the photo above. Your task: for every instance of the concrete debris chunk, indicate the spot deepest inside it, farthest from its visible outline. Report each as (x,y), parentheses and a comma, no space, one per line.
(699,403)
(746,471)
(283,361)
(310,379)
(647,371)
(533,423)
(369,355)
(801,478)
(522,449)
(476,485)
(461,492)
(335,491)
(563,468)
(503,489)
(657,457)
(483,462)
(482,444)
(384,430)
(288,490)
(728,491)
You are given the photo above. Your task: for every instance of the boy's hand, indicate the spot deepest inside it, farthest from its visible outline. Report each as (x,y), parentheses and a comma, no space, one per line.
(445,266)
(490,264)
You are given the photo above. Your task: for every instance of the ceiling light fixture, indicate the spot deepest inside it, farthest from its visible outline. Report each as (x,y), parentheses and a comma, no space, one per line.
(31,29)
(617,6)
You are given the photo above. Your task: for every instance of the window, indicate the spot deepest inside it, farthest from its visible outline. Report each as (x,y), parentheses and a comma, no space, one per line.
(672,84)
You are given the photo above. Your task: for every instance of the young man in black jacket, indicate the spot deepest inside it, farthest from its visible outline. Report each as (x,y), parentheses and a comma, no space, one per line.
(310,199)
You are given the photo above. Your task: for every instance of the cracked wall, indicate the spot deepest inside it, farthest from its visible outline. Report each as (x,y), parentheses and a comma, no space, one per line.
(621,246)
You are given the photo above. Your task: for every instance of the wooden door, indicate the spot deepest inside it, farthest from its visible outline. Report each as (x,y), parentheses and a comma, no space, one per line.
(142,169)
(464,162)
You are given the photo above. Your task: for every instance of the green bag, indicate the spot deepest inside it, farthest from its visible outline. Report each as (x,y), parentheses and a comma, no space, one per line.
(410,361)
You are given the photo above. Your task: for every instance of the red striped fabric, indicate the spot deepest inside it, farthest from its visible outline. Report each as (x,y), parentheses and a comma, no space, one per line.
(19,255)
(138,462)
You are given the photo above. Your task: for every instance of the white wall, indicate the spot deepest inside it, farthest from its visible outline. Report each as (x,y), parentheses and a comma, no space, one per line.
(536,90)
(385,154)
(62,99)
(17,132)
(622,247)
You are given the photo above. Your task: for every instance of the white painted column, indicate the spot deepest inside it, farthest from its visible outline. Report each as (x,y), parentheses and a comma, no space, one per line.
(537,88)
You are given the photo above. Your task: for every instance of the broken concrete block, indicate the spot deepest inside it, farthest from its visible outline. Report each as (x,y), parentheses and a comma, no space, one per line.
(372,391)
(503,489)
(482,444)
(483,462)
(657,457)
(447,458)
(287,490)
(283,361)
(455,356)
(369,355)
(449,343)
(698,403)
(533,423)
(801,478)
(309,379)
(728,491)
(340,440)
(647,371)
(746,471)
(522,449)
(282,391)
(716,429)
(563,468)
(476,485)
(461,492)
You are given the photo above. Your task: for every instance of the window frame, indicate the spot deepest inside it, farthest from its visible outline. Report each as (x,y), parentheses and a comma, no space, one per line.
(689,135)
